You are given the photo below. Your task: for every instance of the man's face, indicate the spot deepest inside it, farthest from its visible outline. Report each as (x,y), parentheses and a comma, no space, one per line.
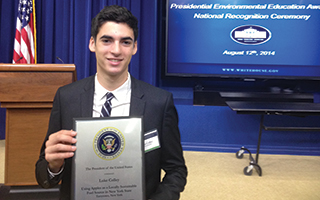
(114,47)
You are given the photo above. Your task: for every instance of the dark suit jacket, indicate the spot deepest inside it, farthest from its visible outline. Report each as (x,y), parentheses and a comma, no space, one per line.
(157,108)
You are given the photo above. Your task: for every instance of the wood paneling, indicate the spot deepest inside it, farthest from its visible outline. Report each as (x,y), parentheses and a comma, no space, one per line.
(26,129)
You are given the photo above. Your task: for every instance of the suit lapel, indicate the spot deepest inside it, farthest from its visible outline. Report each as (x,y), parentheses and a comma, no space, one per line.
(137,104)
(86,99)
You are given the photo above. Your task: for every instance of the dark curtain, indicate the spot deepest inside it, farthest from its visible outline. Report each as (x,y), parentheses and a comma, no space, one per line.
(63,31)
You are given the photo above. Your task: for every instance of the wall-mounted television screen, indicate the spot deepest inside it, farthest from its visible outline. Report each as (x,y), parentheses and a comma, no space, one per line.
(243,38)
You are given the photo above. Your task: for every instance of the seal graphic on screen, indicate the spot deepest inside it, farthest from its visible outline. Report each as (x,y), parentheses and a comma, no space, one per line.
(108,143)
(250,34)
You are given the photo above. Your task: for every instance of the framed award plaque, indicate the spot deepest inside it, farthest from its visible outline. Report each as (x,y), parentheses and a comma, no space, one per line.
(109,160)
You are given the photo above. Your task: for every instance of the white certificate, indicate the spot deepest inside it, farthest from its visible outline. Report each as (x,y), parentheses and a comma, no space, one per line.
(109,160)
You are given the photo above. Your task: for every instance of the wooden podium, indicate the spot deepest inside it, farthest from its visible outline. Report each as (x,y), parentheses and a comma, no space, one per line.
(27,92)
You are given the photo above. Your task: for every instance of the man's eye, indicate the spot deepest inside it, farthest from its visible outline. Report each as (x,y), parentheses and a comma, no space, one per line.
(127,42)
(105,41)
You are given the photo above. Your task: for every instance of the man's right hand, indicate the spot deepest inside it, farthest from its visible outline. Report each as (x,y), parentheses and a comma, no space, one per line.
(59,146)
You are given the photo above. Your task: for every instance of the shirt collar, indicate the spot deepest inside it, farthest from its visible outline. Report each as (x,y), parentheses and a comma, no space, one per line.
(120,93)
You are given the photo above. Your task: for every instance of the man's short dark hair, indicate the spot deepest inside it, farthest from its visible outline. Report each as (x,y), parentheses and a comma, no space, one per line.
(116,14)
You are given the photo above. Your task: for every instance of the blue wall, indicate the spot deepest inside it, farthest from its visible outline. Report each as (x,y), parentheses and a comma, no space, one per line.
(219,129)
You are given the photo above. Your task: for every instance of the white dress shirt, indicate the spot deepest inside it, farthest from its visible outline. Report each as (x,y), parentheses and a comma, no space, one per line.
(120,103)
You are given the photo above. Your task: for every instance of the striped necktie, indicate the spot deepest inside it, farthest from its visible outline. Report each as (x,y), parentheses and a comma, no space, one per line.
(106,108)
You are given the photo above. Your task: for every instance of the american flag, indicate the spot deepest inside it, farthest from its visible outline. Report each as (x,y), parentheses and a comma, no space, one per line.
(25,40)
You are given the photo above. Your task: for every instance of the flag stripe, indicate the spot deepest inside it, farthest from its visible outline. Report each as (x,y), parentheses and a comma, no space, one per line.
(24,50)
(26,47)
(15,55)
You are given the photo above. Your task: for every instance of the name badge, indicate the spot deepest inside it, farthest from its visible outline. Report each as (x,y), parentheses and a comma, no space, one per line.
(151,141)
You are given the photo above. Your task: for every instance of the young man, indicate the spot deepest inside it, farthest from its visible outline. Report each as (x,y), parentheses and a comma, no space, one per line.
(114,34)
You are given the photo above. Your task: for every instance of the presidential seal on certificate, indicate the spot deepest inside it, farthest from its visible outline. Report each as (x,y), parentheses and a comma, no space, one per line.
(109,160)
